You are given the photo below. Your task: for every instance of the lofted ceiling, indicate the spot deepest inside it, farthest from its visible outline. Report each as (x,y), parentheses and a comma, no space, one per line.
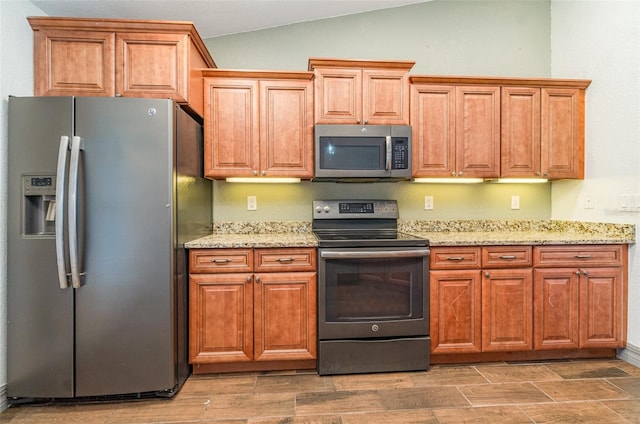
(214,18)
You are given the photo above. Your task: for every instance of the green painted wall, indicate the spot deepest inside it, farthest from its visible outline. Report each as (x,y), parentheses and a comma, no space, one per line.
(492,38)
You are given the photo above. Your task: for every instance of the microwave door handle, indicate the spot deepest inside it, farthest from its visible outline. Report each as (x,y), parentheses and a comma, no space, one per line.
(388,145)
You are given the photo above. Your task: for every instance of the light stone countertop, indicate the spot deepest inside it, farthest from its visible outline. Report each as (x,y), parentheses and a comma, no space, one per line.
(439,233)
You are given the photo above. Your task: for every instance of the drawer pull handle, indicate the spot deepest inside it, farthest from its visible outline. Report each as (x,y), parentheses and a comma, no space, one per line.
(220,261)
(583,256)
(508,257)
(285,260)
(455,258)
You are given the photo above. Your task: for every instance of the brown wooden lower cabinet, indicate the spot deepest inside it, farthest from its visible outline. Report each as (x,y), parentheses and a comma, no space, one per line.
(241,321)
(580,296)
(527,302)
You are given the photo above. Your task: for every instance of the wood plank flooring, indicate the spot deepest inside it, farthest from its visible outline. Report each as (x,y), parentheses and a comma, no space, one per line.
(576,391)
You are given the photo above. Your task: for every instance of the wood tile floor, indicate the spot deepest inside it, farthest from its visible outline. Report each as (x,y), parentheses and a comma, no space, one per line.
(585,391)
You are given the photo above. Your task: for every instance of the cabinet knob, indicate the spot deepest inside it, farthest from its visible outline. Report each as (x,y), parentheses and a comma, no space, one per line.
(460,173)
(585,272)
(453,174)
(257,279)
(357,121)
(486,274)
(255,172)
(263,173)
(366,121)
(578,272)
(248,279)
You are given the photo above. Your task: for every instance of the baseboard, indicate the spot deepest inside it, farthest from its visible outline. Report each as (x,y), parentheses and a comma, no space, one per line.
(630,354)
(4,404)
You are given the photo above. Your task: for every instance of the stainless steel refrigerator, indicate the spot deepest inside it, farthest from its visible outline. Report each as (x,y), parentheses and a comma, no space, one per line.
(102,194)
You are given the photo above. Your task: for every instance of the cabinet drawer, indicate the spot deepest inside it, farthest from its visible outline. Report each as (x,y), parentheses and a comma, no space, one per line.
(592,255)
(506,257)
(454,257)
(279,260)
(220,260)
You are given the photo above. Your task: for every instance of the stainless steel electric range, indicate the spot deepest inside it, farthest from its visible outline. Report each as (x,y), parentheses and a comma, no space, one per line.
(373,289)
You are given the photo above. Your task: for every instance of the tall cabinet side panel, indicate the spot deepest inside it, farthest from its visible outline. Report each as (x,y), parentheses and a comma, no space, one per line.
(193,220)
(40,313)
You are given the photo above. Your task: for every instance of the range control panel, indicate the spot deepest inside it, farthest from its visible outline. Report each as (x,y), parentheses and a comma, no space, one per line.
(355,209)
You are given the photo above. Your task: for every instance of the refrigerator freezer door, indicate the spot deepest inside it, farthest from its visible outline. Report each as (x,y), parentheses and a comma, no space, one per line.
(125,309)
(39,312)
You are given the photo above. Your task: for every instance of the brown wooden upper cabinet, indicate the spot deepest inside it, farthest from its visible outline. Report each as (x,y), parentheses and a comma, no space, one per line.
(497,127)
(361,91)
(258,123)
(119,57)
(543,129)
(456,129)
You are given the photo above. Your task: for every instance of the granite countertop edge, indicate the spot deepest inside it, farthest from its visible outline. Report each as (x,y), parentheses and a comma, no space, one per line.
(251,234)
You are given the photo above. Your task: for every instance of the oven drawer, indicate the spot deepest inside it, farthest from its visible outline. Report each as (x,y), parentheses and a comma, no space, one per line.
(220,260)
(455,257)
(507,257)
(280,260)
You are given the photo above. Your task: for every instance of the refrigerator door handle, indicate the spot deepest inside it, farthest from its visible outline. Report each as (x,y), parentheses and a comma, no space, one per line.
(61,179)
(76,146)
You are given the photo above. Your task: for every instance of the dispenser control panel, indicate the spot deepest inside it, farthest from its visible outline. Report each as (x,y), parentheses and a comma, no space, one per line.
(38,185)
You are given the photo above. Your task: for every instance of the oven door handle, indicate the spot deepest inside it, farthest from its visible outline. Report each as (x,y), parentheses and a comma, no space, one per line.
(376,254)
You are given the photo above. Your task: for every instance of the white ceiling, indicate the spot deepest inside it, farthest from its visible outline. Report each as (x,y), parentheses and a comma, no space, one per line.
(217,17)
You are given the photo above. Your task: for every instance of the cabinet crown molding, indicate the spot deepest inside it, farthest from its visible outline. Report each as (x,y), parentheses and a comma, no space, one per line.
(254,73)
(502,81)
(316,62)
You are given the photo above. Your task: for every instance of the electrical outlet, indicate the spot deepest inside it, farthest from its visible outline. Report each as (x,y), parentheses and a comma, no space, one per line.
(428,203)
(515,202)
(252,203)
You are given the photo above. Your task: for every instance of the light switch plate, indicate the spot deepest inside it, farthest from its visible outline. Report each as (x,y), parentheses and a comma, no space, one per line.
(252,203)
(428,203)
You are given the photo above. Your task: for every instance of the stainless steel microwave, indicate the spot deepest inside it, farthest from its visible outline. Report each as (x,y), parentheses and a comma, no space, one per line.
(362,153)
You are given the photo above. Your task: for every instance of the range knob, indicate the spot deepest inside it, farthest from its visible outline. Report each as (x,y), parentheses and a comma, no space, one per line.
(327,209)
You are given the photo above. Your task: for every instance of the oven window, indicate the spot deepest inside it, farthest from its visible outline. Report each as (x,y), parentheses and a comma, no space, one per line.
(373,289)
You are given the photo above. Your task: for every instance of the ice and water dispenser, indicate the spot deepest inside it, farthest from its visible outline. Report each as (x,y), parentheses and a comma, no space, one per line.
(39,205)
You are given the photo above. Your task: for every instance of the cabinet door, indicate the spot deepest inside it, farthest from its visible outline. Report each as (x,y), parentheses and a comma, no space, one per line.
(433,125)
(562,133)
(455,311)
(74,63)
(385,97)
(152,65)
(338,96)
(601,307)
(221,318)
(520,132)
(286,128)
(231,128)
(556,300)
(478,131)
(507,310)
(285,316)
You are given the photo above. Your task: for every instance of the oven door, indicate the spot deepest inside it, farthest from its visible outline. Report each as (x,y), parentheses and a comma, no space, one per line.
(373,292)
